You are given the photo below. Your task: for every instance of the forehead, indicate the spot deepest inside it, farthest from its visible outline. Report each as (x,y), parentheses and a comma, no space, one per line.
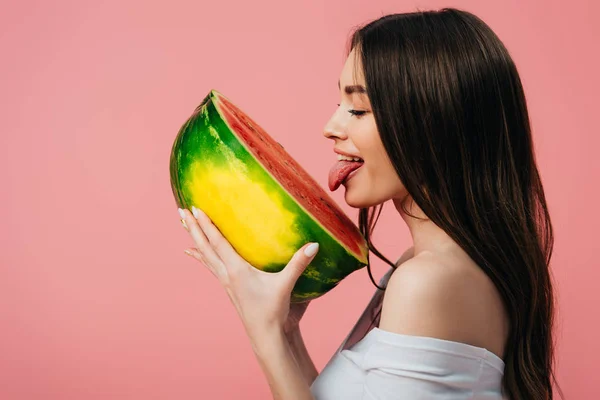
(352,79)
(352,71)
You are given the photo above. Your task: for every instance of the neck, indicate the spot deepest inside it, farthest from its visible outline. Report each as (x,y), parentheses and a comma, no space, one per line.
(426,235)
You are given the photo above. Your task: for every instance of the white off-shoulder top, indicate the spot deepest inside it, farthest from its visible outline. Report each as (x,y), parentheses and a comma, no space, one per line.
(384,365)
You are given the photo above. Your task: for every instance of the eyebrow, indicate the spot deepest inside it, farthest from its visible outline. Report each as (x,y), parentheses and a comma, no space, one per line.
(353,89)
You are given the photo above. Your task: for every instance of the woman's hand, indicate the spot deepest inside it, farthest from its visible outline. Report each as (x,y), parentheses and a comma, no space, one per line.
(262,299)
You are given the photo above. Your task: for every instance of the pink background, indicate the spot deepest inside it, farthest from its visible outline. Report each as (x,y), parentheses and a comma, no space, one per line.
(97,298)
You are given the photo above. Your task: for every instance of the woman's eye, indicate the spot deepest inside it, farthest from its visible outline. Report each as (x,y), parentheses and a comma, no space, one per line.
(355,112)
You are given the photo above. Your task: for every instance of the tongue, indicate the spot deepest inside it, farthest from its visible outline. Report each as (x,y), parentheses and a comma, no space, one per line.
(340,171)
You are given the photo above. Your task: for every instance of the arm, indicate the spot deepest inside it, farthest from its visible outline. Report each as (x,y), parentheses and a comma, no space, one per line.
(286,378)
(298,347)
(285,360)
(305,363)
(261,299)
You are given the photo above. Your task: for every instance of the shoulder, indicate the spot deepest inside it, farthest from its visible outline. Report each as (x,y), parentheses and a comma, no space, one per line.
(426,296)
(407,255)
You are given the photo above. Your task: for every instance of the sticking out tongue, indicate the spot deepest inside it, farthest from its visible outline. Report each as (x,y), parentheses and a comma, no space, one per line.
(340,171)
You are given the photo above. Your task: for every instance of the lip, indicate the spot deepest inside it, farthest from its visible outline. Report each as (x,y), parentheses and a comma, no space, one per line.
(346,154)
(351,175)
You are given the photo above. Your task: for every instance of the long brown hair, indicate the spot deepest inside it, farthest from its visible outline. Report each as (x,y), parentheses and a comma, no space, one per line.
(451,112)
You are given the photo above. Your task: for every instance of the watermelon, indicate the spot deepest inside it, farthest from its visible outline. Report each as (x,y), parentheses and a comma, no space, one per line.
(262,201)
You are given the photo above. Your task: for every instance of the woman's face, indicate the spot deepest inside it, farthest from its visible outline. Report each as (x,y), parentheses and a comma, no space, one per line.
(354,132)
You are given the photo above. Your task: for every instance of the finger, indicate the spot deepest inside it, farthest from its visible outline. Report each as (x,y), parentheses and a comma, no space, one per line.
(203,246)
(221,246)
(194,253)
(299,262)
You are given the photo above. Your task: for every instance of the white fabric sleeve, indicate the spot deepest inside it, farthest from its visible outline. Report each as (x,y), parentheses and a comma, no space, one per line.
(390,366)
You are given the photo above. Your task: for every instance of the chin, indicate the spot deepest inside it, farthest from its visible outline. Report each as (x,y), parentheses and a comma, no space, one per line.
(359,200)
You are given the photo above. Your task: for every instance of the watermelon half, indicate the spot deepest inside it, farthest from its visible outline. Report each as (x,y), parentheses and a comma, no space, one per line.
(264,203)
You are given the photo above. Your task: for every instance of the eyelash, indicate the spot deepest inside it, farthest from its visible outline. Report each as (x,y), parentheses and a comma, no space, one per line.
(356,113)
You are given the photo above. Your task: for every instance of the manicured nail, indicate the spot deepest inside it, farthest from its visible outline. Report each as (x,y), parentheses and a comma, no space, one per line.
(195,212)
(184,224)
(189,253)
(181,213)
(311,249)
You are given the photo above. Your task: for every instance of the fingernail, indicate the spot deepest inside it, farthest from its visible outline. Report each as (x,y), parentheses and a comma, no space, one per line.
(184,224)
(181,213)
(195,212)
(311,249)
(189,253)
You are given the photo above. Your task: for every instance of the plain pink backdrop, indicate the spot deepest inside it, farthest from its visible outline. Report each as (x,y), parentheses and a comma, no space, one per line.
(97,298)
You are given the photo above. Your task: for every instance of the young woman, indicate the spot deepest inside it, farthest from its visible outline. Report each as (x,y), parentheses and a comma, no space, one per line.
(433,106)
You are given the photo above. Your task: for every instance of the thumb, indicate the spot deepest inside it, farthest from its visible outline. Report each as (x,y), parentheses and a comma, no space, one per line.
(300,261)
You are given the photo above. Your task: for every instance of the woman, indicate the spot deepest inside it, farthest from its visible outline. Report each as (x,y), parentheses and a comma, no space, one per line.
(433,106)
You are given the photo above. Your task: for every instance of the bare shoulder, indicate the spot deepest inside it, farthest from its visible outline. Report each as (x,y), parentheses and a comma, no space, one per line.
(429,296)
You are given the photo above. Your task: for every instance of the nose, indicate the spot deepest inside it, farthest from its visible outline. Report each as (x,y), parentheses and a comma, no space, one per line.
(334,128)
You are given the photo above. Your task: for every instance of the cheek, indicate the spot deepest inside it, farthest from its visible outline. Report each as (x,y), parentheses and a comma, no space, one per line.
(385,180)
